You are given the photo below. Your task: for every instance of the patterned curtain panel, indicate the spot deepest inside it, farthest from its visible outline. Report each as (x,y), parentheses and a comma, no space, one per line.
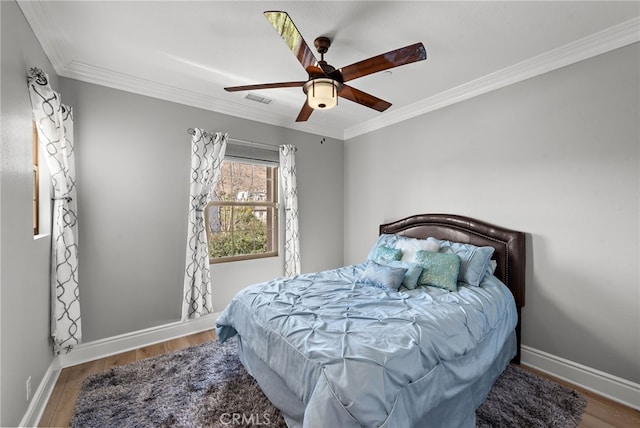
(54,122)
(207,154)
(290,189)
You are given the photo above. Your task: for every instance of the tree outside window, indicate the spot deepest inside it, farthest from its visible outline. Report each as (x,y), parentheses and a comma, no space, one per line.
(241,218)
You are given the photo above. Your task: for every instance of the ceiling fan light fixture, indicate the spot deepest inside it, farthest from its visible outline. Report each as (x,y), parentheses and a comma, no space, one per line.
(322,93)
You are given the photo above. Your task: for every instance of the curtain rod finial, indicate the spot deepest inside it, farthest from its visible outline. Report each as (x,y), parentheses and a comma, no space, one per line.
(38,75)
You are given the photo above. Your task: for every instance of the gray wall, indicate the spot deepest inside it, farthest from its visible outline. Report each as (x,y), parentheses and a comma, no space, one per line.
(132,165)
(133,160)
(24,261)
(556,156)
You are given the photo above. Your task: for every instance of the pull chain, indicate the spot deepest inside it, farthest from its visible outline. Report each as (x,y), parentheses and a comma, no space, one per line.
(323,119)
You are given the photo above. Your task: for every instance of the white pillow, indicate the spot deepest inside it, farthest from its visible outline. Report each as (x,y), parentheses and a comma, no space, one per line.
(409,246)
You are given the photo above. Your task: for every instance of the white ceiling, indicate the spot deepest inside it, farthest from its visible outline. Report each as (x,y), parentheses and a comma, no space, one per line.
(188,51)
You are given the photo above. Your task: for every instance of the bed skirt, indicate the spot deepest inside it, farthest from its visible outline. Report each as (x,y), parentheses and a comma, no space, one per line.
(454,410)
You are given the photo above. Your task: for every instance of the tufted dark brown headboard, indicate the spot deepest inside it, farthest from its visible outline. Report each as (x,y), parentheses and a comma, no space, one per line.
(510,249)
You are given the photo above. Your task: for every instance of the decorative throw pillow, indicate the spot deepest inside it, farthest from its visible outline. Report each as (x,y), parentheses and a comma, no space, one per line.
(439,269)
(473,259)
(387,254)
(414,270)
(382,276)
(387,240)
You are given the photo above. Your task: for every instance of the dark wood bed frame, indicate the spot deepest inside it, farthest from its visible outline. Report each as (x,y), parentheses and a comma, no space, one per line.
(510,249)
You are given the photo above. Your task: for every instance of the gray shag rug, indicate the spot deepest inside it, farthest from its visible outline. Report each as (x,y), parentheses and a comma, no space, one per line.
(207,386)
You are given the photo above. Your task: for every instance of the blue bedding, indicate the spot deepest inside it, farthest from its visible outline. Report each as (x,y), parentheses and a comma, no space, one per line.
(360,355)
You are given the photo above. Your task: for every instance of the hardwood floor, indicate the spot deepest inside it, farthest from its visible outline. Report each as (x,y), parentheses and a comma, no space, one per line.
(600,412)
(60,406)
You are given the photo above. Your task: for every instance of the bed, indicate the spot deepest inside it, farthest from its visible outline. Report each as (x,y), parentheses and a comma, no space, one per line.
(365,345)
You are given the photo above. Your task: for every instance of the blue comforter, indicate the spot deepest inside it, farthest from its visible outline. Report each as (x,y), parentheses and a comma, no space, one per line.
(358,355)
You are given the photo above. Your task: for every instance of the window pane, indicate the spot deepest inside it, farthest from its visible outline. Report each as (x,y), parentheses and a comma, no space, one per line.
(240,230)
(241,182)
(242,217)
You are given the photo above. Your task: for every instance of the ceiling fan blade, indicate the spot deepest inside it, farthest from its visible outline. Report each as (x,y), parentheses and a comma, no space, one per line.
(398,57)
(367,100)
(264,86)
(305,112)
(292,37)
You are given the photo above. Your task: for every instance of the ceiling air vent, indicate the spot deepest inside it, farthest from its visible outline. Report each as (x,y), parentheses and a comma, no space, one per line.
(258,98)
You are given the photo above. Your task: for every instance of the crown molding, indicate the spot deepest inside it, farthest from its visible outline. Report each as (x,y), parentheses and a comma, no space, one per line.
(116,80)
(54,44)
(39,16)
(598,43)
(587,47)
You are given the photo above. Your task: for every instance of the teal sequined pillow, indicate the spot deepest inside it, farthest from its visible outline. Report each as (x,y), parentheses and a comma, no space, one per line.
(382,276)
(388,240)
(438,269)
(387,254)
(473,260)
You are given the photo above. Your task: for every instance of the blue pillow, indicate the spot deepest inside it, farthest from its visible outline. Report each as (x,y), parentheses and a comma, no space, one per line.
(382,276)
(438,269)
(387,254)
(387,240)
(473,260)
(414,270)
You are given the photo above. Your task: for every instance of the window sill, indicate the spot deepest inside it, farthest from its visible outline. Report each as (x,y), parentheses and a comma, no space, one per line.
(242,258)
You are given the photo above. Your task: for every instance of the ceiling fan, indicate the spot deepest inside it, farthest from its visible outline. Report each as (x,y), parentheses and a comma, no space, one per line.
(326,83)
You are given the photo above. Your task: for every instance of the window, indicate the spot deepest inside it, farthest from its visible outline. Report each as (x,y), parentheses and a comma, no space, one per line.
(36,182)
(242,217)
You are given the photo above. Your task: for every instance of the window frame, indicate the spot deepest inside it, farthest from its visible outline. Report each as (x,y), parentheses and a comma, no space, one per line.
(36,181)
(273,170)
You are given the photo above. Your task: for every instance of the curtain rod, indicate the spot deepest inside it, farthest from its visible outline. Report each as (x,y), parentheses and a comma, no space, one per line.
(251,143)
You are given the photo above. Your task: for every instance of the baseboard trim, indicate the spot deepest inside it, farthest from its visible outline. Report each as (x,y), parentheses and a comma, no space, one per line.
(41,397)
(126,342)
(90,351)
(601,383)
